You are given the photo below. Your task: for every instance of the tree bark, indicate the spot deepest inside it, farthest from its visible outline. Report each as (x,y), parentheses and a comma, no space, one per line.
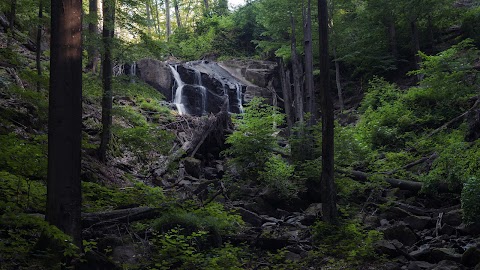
(309,85)
(65,118)
(177,14)
(416,45)
(38,53)
(92,51)
(107,35)
(205,5)
(287,94)
(338,81)
(167,15)
(392,34)
(297,76)
(328,190)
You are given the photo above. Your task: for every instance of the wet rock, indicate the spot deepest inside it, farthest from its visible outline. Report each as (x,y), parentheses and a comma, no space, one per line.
(249,217)
(447,265)
(419,265)
(471,257)
(193,166)
(417,222)
(440,254)
(400,232)
(387,248)
(157,74)
(447,230)
(453,218)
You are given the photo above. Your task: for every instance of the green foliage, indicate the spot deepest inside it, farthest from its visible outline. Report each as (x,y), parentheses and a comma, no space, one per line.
(27,158)
(92,87)
(177,250)
(144,139)
(18,192)
(471,25)
(100,198)
(278,175)
(212,218)
(255,137)
(122,87)
(471,199)
(347,240)
(29,241)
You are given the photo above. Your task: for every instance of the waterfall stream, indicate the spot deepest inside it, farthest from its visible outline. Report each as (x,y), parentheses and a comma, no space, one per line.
(178,91)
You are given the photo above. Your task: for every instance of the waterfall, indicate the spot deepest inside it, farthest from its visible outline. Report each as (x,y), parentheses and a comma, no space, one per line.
(178,92)
(203,90)
(133,72)
(239,97)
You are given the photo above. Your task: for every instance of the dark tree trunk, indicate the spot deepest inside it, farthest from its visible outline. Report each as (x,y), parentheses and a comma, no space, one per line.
(328,191)
(392,34)
(13,13)
(149,16)
(92,51)
(157,19)
(287,94)
(108,33)
(309,85)
(415,43)
(177,14)
(297,76)
(38,53)
(65,118)
(205,4)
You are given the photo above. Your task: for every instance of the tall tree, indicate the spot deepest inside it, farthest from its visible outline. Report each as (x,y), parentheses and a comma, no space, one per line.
(308,48)
(13,13)
(38,53)
(92,50)
(328,191)
(107,35)
(65,118)
(167,15)
(177,13)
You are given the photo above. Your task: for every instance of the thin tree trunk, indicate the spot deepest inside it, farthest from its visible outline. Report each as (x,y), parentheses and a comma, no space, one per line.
(149,16)
(415,43)
(328,191)
(92,50)
(13,12)
(309,85)
(297,76)
(392,34)
(38,53)
(177,14)
(205,4)
(338,80)
(287,94)
(167,15)
(64,198)
(108,34)
(157,14)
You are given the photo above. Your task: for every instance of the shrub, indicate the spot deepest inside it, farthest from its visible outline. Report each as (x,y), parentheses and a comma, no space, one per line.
(471,200)
(278,176)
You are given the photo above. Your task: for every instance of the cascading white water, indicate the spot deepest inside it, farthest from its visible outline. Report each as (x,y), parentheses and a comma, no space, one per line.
(133,72)
(239,97)
(203,90)
(178,92)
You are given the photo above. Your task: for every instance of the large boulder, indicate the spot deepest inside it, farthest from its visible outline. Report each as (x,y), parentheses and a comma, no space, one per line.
(401,233)
(157,74)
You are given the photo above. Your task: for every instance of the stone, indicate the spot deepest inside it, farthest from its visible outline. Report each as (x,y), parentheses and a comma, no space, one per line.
(249,217)
(157,74)
(440,254)
(419,265)
(125,254)
(421,254)
(193,166)
(395,213)
(387,248)
(400,232)
(471,257)
(447,230)
(453,218)
(447,265)
(417,222)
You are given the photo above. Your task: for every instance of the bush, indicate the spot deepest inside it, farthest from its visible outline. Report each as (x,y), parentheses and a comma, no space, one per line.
(278,176)
(471,200)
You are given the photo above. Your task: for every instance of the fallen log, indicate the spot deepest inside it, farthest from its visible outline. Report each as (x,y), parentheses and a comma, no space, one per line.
(398,183)
(119,216)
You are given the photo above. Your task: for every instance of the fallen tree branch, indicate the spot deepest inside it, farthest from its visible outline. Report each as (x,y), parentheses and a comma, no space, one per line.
(90,220)
(398,183)
(414,163)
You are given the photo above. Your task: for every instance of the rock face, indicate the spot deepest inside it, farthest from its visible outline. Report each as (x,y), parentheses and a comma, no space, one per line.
(202,87)
(157,74)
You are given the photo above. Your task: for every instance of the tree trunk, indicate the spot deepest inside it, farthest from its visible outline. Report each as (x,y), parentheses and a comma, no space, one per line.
(287,94)
(392,34)
(167,15)
(157,19)
(92,51)
(38,53)
(416,45)
(297,76)
(338,80)
(328,191)
(64,198)
(205,5)
(13,12)
(177,14)
(309,85)
(149,16)
(108,33)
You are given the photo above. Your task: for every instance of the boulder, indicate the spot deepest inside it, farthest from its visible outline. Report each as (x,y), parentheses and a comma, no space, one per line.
(453,218)
(440,254)
(249,217)
(447,265)
(401,233)
(387,248)
(447,230)
(417,222)
(157,74)
(193,166)
(419,265)
(471,257)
